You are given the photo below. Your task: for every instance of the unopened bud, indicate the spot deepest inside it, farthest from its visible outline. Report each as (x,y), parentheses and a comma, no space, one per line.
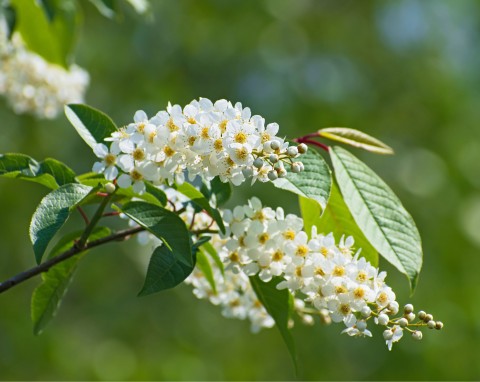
(431,324)
(410,316)
(408,308)
(272,175)
(383,319)
(282,173)
(428,317)
(275,145)
(387,334)
(366,311)
(307,319)
(361,325)
(438,325)
(292,151)
(403,322)
(247,172)
(110,188)
(422,315)
(302,148)
(258,163)
(273,158)
(296,167)
(417,335)
(393,307)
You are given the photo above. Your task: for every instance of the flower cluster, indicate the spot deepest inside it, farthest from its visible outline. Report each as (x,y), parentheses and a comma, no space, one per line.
(330,278)
(326,279)
(33,85)
(204,138)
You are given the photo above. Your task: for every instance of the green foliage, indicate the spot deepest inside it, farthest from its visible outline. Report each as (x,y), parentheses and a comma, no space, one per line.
(10,15)
(165,225)
(91,124)
(48,29)
(355,138)
(278,305)
(210,250)
(222,191)
(379,214)
(50,172)
(165,271)
(196,197)
(47,297)
(336,218)
(52,212)
(106,8)
(205,267)
(314,182)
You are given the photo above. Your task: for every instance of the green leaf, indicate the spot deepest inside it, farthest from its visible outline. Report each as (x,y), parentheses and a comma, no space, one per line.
(47,296)
(221,190)
(379,214)
(10,16)
(91,124)
(165,271)
(52,212)
(165,225)
(49,8)
(210,250)
(53,40)
(336,219)
(277,304)
(314,182)
(199,199)
(204,265)
(355,138)
(50,172)
(105,7)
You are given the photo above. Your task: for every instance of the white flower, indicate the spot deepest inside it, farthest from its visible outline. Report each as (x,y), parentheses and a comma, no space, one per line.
(107,165)
(397,335)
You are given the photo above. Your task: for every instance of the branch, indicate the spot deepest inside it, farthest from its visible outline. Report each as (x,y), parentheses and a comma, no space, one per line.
(75,250)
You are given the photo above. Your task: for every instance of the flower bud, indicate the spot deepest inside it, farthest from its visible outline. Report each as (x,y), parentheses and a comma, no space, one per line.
(296,167)
(247,172)
(417,335)
(383,319)
(428,317)
(266,147)
(361,325)
(258,163)
(307,320)
(422,315)
(366,311)
(273,158)
(431,324)
(274,145)
(302,148)
(272,175)
(282,173)
(110,188)
(408,308)
(403,322)
(292,151)
(387,334)
(438,325)
(410,316)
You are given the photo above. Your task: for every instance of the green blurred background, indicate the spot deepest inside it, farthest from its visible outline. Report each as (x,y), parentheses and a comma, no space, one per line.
(406,71)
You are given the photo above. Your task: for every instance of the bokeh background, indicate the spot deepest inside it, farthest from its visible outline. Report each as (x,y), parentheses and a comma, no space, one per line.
(406,71)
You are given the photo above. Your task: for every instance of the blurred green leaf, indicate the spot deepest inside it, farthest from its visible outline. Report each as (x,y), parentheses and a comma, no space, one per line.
(336,219)
(8,12)
(355,138)
(52,212)
(221,190)
(165,225)
(379,214)
(50,172)
(106,8)
(210,250)
(91,124)
(277,304)
(199,199)
(46,298)
(314,182)
(165,271)
(53,40)
(204,265)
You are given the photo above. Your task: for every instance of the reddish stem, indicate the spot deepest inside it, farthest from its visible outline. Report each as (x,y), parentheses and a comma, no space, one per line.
(113,213)
(312,142)
(84,215)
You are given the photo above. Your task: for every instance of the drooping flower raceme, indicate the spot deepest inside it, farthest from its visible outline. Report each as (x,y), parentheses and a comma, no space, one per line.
(327,278)
(204,138)
(32,85)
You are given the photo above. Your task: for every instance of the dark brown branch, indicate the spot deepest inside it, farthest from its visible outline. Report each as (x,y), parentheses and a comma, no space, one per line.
(75,250)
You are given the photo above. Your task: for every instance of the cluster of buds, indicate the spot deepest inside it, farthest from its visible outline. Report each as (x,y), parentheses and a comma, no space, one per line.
(204,138)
